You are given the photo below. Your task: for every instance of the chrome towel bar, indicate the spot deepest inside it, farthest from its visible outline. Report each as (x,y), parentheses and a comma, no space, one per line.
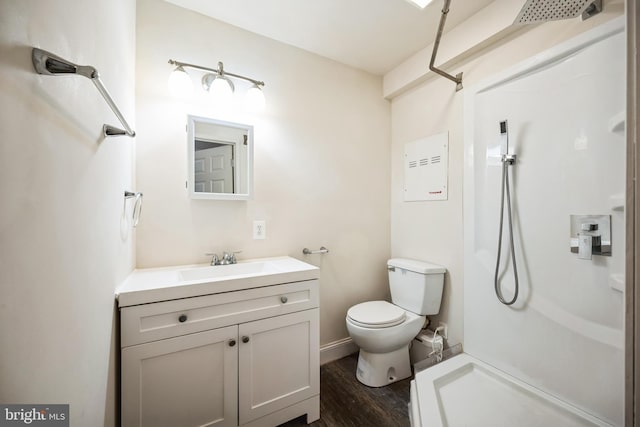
(322,250)
(52,65)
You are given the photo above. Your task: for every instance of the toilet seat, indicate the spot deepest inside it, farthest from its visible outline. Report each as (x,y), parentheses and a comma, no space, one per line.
(376,314)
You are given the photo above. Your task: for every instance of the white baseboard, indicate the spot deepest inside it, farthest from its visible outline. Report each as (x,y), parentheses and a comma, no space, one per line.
(337,350)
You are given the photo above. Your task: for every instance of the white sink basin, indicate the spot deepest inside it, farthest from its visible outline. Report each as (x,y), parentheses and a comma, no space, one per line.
(166,283)
(228,271)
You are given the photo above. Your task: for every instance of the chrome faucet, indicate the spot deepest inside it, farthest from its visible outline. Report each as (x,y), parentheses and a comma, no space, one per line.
(227,258)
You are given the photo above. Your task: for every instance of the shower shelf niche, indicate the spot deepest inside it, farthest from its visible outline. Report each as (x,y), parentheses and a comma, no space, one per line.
(616,202)
(616,282)
(617,122)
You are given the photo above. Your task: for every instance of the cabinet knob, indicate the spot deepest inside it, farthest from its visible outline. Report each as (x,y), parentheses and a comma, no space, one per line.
(232,343)
(182,318)
(284,299)
(245,339)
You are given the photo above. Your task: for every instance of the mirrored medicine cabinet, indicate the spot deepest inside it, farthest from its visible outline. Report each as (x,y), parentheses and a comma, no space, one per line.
(220,156)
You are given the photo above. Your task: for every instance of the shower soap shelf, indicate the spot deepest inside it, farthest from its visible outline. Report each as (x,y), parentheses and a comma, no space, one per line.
(617,122)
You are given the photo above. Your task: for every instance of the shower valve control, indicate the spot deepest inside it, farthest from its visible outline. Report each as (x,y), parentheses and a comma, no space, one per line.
(590,235)
(585,246)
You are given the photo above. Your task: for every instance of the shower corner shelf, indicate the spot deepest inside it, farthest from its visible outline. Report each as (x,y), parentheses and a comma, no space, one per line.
(616,282)
(616,202)
(617,122)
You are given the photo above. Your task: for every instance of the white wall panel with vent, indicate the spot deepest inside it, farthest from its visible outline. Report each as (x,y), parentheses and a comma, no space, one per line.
(426,168)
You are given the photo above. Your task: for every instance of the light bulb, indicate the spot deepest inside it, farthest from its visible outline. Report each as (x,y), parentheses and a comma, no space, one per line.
(221,89)
(180,83)
(255,99)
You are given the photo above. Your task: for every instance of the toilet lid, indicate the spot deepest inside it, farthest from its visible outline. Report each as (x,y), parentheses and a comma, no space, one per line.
(376,314)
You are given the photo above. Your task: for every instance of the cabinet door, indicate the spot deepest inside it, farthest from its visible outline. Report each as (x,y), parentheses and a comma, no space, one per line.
(185,381)
(279,364)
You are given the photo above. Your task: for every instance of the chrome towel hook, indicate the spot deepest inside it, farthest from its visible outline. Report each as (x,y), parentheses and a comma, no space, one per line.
(137,206)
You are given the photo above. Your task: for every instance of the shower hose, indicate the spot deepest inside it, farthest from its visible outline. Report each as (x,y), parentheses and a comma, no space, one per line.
(505,187)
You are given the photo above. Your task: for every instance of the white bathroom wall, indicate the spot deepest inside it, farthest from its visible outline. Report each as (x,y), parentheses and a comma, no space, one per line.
(322,170)
(63,248)
(433,230)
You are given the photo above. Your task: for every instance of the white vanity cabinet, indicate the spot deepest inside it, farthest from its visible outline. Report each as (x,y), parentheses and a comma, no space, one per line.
(278,366)
(190,380)
(248,357)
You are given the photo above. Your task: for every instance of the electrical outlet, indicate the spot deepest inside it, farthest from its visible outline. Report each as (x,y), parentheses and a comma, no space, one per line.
(445,330)
(259,230)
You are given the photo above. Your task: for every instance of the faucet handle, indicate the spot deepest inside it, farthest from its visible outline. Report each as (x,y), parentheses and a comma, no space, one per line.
(233,257)
(214,258)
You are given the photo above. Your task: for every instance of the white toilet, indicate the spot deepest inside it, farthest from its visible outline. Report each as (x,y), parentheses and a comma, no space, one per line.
(384,330)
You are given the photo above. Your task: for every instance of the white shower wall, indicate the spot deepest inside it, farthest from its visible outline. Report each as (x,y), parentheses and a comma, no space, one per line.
(565,333)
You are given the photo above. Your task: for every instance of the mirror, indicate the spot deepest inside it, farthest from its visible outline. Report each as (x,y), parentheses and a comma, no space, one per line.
(220,156)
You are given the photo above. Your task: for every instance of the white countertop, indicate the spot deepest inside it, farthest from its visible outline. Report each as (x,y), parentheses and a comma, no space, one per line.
(150,285)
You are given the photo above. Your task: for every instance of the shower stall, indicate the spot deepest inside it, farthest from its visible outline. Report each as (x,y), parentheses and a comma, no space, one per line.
(560,345)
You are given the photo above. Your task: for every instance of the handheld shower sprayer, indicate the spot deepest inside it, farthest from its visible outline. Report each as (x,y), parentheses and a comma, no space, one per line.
(504,144)
(504,138)
(507,160)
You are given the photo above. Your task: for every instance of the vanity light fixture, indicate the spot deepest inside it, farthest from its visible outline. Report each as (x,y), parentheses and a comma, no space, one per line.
(216,82)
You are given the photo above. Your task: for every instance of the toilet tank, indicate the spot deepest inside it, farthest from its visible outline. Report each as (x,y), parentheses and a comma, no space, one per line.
(416,285)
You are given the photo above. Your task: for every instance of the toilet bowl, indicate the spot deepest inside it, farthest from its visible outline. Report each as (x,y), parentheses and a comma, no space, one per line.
(384,330)
(384,345)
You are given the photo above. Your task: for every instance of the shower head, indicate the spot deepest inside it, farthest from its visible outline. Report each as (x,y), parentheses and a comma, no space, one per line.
(52,65)
(537,11)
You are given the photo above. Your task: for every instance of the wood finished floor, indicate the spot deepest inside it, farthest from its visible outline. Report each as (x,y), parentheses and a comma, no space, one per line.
(344,402)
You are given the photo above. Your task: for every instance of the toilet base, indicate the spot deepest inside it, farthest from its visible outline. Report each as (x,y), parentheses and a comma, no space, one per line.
(380,369)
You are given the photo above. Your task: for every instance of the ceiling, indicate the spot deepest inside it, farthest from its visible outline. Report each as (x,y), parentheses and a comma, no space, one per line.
(372,35)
